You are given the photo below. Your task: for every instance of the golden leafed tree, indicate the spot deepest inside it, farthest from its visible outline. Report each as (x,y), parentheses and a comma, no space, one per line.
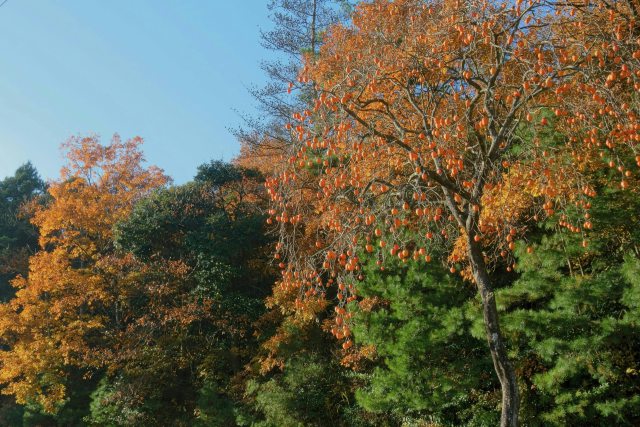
(61,309)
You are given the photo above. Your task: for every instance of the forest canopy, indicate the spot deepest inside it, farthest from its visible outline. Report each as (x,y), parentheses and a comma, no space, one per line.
(433,223)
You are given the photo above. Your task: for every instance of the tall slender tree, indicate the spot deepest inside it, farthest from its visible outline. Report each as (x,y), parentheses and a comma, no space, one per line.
(297,30)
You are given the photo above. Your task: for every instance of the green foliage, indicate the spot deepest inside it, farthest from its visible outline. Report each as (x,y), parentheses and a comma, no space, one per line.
(71,412)
(130,400)
(217,173)
(11,414)
(18,238)
(572,321)
(23,186)
(311,391)
(214,228)
(430,367)
(109,408)
(205,223)
(570,317)
(215,408)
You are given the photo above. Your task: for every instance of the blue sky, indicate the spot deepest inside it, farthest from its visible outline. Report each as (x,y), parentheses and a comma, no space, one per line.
(171,71)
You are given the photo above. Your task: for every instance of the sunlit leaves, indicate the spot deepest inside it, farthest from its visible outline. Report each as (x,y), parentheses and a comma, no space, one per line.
(51,324)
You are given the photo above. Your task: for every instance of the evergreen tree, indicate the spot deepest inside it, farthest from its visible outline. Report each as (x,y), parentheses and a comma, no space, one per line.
(18,237)
(429,367)
(572,318)
(570,315)
(297,28)
(183,367)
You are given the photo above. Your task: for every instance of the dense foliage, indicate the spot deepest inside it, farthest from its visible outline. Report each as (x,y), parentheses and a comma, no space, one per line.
(18,237)
(435,223)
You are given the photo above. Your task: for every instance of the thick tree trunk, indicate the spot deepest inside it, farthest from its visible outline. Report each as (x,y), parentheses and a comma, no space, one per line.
(501,363)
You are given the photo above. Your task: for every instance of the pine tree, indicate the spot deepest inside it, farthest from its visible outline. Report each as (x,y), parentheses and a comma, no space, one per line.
(572,319)
(429,365)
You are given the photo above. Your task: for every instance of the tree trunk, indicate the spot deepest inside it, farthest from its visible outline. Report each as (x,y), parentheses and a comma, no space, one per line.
(313,28)
(502,366)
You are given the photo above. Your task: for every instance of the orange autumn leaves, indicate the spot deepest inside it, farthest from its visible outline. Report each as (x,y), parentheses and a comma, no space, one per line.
(435,121)
(97,188)
(67,298)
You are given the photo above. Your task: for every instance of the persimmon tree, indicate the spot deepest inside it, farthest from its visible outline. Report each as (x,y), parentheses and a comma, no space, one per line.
(297,30)
(430,128)
(62,307)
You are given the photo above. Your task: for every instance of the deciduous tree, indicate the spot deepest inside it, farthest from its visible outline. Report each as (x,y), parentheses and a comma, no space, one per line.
(426,130)
(61,309)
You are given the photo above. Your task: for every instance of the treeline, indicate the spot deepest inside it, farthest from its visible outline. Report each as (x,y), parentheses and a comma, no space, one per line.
(433,223)
(151,304)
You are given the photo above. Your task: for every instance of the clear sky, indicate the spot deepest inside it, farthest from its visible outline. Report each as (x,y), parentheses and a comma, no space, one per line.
(172,71)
